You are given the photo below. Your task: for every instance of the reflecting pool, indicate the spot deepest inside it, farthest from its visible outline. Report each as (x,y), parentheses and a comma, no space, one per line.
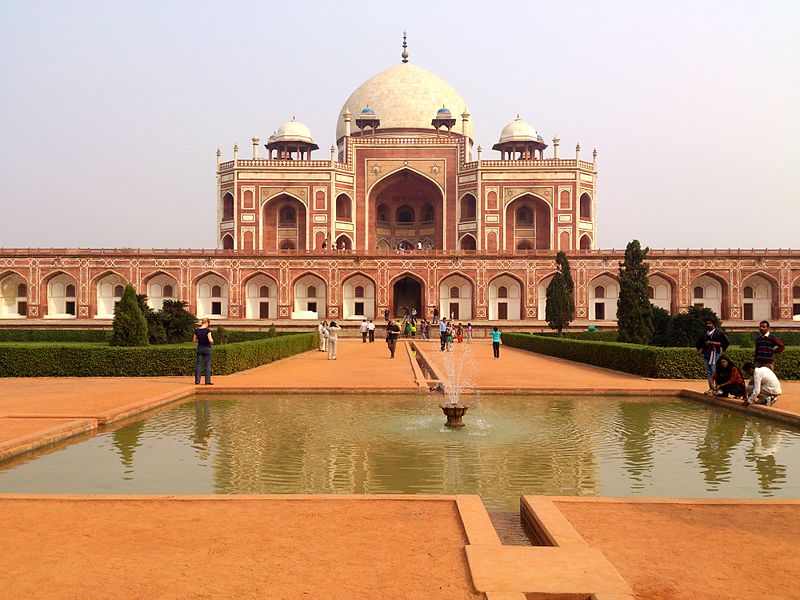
(512,445)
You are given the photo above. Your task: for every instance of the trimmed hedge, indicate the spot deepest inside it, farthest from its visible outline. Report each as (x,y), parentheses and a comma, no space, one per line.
(55,335)
(747,339)
(647,361)
(605,335)
(52,360)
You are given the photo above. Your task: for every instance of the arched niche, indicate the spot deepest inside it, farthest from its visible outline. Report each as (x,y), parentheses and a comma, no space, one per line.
(541,297)
(468,208)
(212,296)
(603,296)
(455,298)
(585,209)
(344,208)
(660,292)
(708,291)
(284,224)
(62,297)
(467,242)
(13,296)
(586,242)
(759,296)
(358,297)
(161,287)
(227,242)
(343,242)
(309,298)
(109,289)
(528,219)
(261,293)
(227,207)
(505,299)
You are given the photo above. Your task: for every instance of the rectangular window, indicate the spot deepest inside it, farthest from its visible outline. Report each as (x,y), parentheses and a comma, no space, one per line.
(796,309)
(600,311)
(70,307)
(216,308)
(312,307)
(359,309)
(263,310)
(22,308)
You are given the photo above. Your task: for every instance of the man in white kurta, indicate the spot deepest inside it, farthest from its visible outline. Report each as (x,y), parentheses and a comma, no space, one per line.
(764,387)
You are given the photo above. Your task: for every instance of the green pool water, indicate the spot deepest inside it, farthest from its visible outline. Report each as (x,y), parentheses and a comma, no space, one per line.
(512,445)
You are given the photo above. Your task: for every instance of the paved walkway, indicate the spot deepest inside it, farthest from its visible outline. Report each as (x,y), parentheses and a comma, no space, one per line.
(347,547)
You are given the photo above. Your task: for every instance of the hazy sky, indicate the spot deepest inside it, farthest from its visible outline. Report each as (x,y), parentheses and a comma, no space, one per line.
(112,112)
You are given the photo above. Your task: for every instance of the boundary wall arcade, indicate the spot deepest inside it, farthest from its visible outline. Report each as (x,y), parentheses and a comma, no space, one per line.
(741,285)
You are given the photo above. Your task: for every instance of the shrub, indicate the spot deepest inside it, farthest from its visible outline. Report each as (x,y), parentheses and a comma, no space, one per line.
(178,322)
(685,328)
(661,320)
(647,361)
(52,360)
(129,327)
(220,335)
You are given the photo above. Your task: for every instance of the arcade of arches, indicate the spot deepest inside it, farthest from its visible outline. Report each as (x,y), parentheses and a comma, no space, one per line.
(230,288)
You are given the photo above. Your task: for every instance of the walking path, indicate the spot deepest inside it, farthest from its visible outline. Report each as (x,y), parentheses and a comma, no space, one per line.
(376,547)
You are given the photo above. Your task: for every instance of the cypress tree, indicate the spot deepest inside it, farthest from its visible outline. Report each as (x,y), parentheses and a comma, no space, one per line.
(130,326)
(560,302)
(634,310)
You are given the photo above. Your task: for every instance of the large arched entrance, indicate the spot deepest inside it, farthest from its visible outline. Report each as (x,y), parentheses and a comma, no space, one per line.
(528,224)
(406,294)
(406,206)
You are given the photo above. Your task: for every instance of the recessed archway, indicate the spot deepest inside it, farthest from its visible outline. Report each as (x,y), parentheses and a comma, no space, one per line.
(261,293)
(310,293)
(406,206)
(758,298)
(160,287)
(284,223)
(358,297)
(62,296)
(212,296)
(455,297)
(505,299)
(528,219)
(710,291)
(13,296)
(603,296)
(406,295)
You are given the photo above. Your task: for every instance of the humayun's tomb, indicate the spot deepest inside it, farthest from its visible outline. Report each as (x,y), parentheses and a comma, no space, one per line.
(405,212)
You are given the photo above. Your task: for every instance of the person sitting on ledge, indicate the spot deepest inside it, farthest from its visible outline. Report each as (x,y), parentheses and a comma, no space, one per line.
(764,387)
(728,379)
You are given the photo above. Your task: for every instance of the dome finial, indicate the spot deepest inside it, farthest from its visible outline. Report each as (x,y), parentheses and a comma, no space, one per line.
(404,55)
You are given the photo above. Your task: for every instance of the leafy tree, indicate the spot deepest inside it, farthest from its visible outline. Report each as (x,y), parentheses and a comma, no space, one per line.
(130,326)
(155,325)
(178,322)
(221,335)
(634,310)
(684,328)
(560,304)
(661,320)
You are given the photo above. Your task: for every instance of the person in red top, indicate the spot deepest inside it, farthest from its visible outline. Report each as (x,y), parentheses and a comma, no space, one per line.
(728,379)
(767,346)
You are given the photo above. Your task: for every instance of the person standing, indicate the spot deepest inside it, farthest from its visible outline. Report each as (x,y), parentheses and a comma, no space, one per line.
(460,333)
(392,333)
(764,387)
(322,330)
(202,335)
(442,333)
(364,330)
(767,346)
(333,339)
(710,345)
(469,333)
(371,331)
(435,315)
(496,335)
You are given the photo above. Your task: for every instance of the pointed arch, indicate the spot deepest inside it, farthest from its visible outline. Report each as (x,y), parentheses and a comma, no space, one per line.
(456,306)
(719,303)
(603,292)
(539,231)
(355,306)
(309,296)
(159,286)
(467,242)
(509,305)
(61,295)
(260,305)
(668,302)
(14,290)
(764,306)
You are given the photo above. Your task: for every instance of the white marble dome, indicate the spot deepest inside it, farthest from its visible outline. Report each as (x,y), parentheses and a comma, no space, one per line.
(405,96)
(519,130)
(293,131)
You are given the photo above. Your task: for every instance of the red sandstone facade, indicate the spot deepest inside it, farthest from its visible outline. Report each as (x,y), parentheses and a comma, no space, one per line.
(401,216)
